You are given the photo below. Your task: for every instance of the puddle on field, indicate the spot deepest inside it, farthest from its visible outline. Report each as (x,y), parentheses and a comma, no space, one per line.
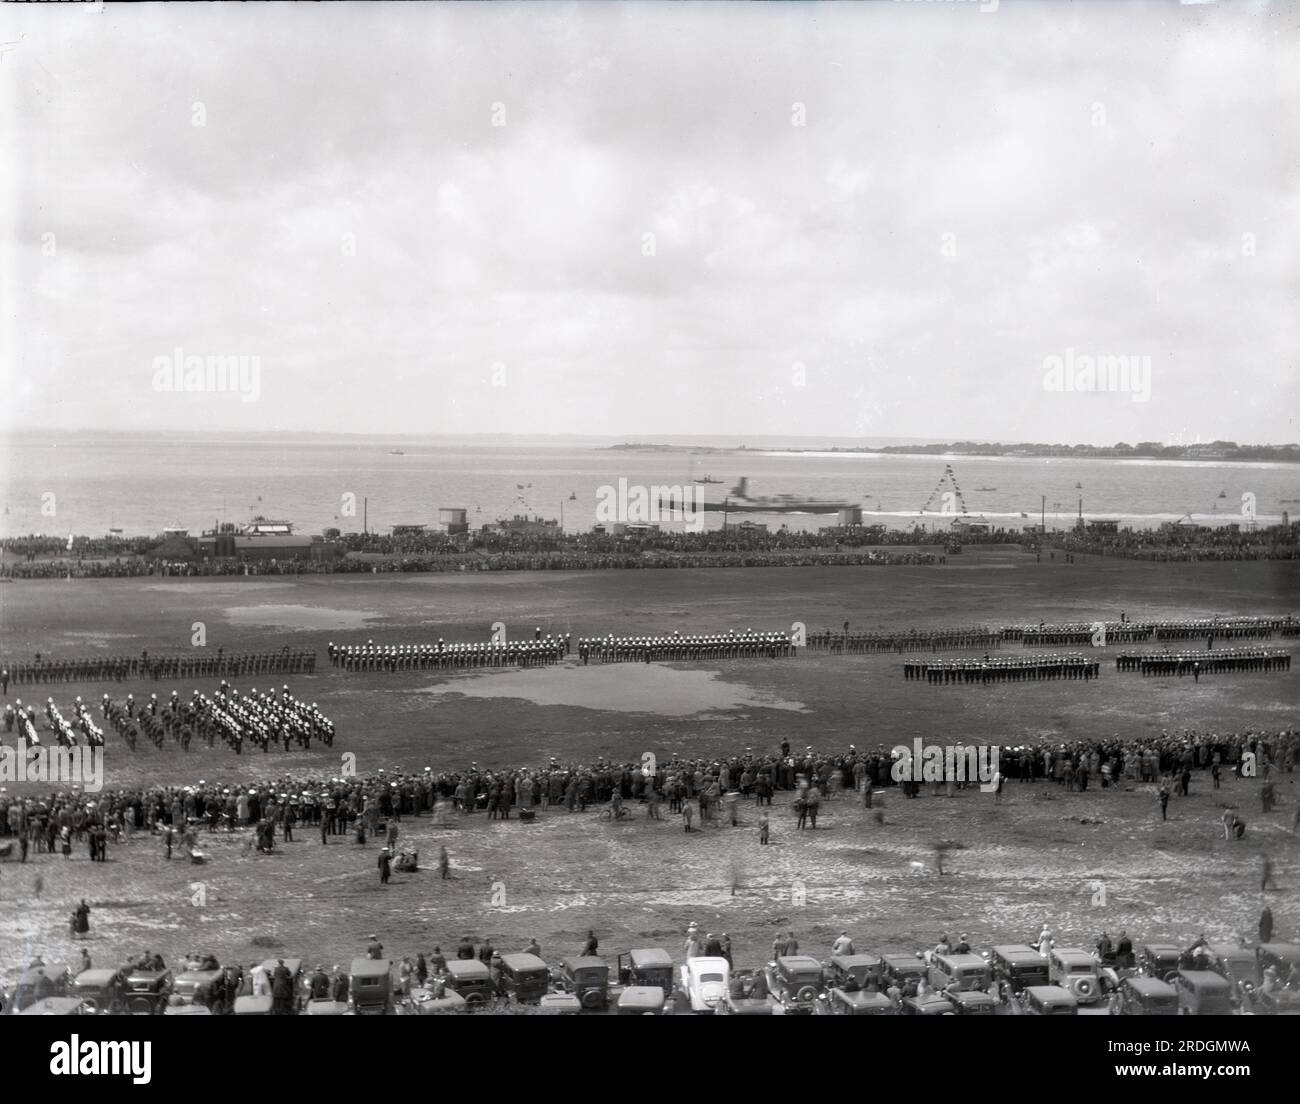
(621,688)
(298,617)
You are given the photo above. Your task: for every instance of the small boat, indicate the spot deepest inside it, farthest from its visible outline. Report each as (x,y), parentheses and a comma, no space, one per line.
(708,479)
(1078,486)
(396,452)
(116,531)
(990,489)
(573,496)
(1223,494)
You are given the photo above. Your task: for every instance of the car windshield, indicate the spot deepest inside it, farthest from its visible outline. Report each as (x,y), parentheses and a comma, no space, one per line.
(1081,969)
(706,978)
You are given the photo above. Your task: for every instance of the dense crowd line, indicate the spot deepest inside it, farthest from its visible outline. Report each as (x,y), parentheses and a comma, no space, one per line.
(43,668)
(913,640)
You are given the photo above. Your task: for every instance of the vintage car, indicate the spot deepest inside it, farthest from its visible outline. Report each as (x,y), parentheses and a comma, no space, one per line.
(853,972)
(1233,962)
(1203,993)
(38,983)
(473,981)
(973,1002)
(253,1006)
(525,978)
(1159,960)
(1016,967)
(642,1000)
(147,990)
(422,1002)
(587,978)
(853,1002)
(202,985)
(900,969)
(102,990)
(370,987)
(560,1004)
(1048,1000)
(969,971)
(325,1007)
(705,982)
(1147,996)
(1076,970)
(646,966)
(795,982)
(58,1006)
(746,995)
(932,1004)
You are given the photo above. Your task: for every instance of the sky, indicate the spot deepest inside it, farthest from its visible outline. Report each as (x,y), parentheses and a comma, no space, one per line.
(897,219)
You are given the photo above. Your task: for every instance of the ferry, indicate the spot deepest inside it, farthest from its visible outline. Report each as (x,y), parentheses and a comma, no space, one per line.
(740,501)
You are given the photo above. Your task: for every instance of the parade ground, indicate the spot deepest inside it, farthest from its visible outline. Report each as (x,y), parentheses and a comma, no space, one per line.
(1078,862)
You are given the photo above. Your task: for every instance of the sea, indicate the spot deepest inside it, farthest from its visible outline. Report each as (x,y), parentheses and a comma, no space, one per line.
(85,484)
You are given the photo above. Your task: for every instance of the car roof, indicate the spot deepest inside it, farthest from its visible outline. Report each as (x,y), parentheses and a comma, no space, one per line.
(187,1010)
(1012,950)
(255,1003)
(1162,948)
(1230,951)
(325,1008)
(523,962)
(973,996)
(52,1006)
(95,977)
(1070,952)
(853,961)
(1151,987)
(467,968)
(859,997)
(587,962)
(799,963)
(963,959)
(1051,994)
(641,996)
(650,956)
(370,967)
(49,970)
(1281,950)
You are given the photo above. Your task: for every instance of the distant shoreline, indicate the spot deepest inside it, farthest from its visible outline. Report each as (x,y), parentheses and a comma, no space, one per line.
(1276,454)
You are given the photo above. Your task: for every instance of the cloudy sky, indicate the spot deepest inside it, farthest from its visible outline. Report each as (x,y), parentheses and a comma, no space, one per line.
(862,220)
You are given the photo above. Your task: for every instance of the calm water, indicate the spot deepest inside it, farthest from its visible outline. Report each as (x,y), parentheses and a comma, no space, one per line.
(141,485)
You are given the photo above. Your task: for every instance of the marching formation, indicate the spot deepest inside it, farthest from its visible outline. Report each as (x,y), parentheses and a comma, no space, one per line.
(861,643)
(442,656)
(186,665)
(728,645)
(988,670)
(1204,663)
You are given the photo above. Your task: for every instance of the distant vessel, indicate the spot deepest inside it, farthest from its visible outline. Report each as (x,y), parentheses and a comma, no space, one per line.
(708,479)
(397,452)
(986,488)
(1223,494)
(573,496)
(740,501)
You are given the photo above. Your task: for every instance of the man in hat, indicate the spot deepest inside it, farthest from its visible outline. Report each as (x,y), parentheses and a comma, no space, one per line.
(375,949)
(281,990)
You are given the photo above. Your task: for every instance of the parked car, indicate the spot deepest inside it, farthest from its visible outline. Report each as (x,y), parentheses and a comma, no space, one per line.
(642,1000)
(974,1002)
(853,972)
(473,981)
(38,983)
(58,1006)
(1284,959)
(148,990)
(746,995)
(1048,1000)
(1233,962)
(1076,970)
(1160,960)
(795,982)
(932,1004)
(204,985)
(705,982)
(854,1002)
(102,990)
(523,977)
(370,987)
(646,966)
(1016,967)
(422,1002)
(1203,993)
(1147,996)
(587,978)
(187,1010)
(969,971)
(560,1004)
(899,969)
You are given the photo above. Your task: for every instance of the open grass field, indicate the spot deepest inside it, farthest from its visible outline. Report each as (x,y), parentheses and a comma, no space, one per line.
(1041,855)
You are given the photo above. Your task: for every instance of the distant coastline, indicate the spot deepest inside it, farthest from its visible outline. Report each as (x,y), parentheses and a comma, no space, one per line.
(1214,452)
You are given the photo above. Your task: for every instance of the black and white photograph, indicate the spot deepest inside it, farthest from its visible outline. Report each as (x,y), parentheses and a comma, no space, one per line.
(601,509)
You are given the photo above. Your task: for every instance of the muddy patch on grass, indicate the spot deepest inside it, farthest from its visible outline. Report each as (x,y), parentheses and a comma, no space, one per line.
(621,688)
(299,617)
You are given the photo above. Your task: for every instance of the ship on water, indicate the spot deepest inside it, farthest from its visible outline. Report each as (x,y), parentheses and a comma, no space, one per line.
(740,501)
